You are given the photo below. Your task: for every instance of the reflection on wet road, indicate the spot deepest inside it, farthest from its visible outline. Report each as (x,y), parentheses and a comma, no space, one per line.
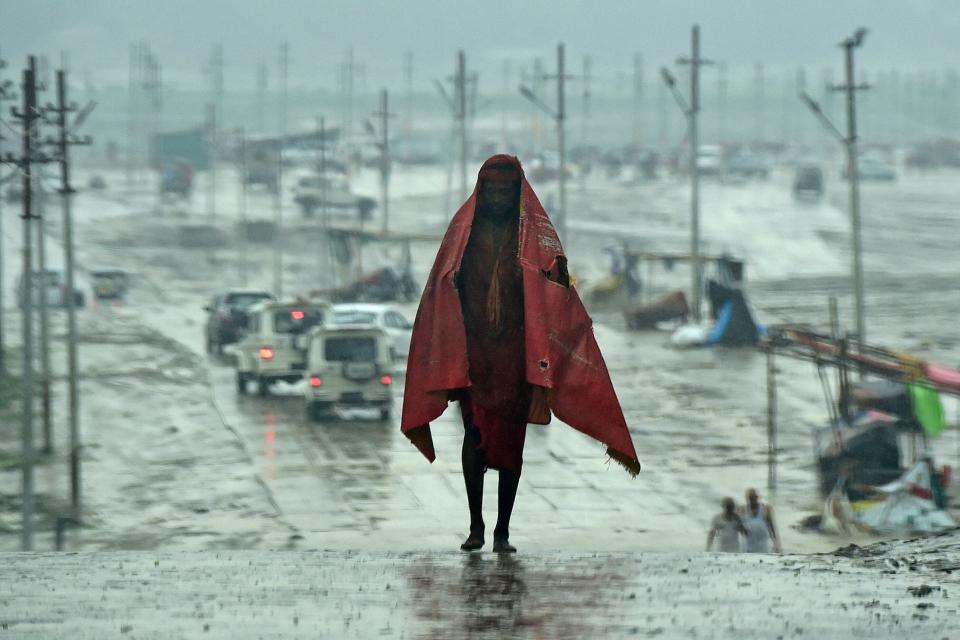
(231,595)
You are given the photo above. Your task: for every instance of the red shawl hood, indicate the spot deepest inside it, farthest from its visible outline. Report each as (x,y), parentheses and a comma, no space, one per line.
(561,352)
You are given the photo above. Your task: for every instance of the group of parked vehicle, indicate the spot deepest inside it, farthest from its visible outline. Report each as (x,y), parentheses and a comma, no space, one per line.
(342,355)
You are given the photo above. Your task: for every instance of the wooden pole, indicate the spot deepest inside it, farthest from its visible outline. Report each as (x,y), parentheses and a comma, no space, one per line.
(771,424)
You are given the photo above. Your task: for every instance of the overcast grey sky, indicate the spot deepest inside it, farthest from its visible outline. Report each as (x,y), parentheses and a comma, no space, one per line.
(908,34)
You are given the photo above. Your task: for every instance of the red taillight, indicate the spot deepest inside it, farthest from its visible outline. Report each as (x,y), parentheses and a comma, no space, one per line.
(385,380)
(315,381)
(266,353)
(296,314)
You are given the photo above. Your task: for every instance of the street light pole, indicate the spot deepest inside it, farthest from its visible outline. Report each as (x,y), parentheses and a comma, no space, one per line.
(461,110)
(561,143)
(560,117)
(695,62)
(695,174)
(853,171)
(850,144)
(66,195)
(27,294)
(385,115)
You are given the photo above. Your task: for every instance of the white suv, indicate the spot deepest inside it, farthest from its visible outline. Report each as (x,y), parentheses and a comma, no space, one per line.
(274,345)
(348,365)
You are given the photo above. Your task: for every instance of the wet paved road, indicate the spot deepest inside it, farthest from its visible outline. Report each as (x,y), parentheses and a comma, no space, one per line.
(246,594)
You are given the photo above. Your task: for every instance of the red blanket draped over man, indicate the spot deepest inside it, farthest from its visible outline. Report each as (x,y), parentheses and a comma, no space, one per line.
(560,361)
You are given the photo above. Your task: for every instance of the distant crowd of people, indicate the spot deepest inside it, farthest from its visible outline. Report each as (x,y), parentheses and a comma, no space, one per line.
(749,528)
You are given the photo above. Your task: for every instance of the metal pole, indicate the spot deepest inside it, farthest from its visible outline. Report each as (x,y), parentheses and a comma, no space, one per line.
(771,423)
(324,211)
(243,206)
(722,104)
(278,200)
(212,174)
(561,143)
(461,97)
(385,159)
(66,199)
(638,99)
(834,319)
(131,98)
(3,254)
(27,293)
(695,175)
(44,312)
(854,173)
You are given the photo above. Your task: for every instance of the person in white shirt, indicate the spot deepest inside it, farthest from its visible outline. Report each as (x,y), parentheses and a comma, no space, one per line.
(728,526)
(757,518)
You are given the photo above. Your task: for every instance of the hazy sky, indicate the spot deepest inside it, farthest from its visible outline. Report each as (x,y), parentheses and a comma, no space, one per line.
(96,33)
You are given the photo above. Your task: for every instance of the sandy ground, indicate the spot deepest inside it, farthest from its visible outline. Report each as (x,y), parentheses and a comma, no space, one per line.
(176,461)
(890,591)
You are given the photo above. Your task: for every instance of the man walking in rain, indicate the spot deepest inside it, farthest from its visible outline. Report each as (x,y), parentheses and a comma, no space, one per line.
(501,329)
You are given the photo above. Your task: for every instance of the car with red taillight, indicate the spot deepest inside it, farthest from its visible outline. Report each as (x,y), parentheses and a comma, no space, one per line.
(274,347)
(227,316)
(348,366)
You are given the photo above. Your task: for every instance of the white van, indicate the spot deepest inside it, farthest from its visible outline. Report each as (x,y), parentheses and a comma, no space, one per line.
(274,345)
(349,366)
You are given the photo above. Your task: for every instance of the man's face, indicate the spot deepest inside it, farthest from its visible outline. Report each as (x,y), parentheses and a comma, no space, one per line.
(498,200)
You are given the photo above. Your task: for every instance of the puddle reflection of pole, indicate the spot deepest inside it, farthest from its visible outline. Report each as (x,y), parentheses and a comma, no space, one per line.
(270,437)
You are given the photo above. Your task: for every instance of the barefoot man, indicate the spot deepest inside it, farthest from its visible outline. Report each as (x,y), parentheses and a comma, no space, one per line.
(501,329)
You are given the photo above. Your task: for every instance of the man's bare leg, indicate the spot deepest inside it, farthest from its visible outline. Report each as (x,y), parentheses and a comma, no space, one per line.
(472,459)
(506,495)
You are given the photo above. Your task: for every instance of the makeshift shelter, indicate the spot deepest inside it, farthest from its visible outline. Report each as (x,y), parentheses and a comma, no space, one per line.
(734,324)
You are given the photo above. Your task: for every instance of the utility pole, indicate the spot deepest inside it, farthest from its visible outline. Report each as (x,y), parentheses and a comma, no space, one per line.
(243,206)
(131,113)
(261,96)
(408,107)
(722,103)
(504,117)
(759,101)
(853,171)
(324,211)
(5,94)
(800,83)
(215,70)
(28,118)
(638,99)
(66,199)
(349,73)
(384,115)
(39,191)
(152,87)
(278,200)
(458,134)
(561,141)
(212,170)
(585,115)
(695,62)
(559,115)
(461,111)
(850,144)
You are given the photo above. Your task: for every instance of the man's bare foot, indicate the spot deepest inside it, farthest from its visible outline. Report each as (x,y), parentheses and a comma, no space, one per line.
(501,545)
(473,542)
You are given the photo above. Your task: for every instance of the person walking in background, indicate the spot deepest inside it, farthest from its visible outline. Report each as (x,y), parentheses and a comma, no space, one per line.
(728,526)
(758,520)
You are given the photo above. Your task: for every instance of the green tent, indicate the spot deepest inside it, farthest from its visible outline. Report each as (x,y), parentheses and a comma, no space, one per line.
(927,409)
